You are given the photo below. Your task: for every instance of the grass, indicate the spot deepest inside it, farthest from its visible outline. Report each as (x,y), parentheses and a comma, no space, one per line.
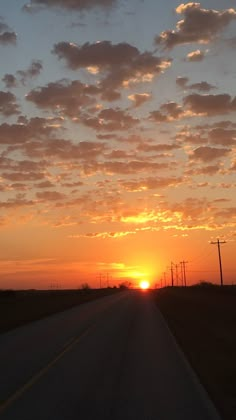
(203,320)
(21,307)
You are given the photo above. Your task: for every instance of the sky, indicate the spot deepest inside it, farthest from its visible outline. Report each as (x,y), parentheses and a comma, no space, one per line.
(117,142)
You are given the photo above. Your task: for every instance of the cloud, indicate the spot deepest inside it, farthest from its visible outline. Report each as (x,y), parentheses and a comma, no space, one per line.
(123,168)
(168,112)
(202,86)
(64,97)
(18,201)
(217,124)
(34,70)
(161,147)
(182,82)
(197,26)
(223,137)
(207,153)
(227,213)
(23,176)
(22,165)
(25,130)
(194,104)
(44,184)
(103,235)
(10,81)
(73,5)
(210,105)
(204,170)
(188,137)
(50,196)
(118,154)
(233,166)
(110,119)
(65,149)
(139,99)
(7,36)
(119,65)
(158,117)
(151,183)
(8,105)
(195,56)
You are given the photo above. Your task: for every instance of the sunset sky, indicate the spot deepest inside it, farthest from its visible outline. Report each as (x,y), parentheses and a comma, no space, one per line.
(117,140)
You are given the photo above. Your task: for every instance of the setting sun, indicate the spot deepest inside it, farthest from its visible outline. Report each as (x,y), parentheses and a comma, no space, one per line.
(144,284)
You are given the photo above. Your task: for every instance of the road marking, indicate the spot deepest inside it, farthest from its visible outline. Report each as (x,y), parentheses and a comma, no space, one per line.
(67,347)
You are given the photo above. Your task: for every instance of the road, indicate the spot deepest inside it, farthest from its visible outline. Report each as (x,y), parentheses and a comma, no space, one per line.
(113,358)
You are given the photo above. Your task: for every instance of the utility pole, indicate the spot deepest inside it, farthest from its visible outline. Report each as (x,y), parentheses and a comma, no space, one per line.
(172,274)
(218,243)
(99,276)
(107,280)
(176,274)
(164,275)
(183,272)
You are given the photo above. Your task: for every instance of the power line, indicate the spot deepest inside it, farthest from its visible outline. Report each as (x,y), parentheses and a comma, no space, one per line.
(203,254)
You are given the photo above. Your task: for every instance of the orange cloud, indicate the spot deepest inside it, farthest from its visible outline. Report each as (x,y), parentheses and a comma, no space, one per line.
(139,98)
(65,97)
(151,183)
(210,104)
(207,153)
(195,56)
(118,64)
(110,120)
(197,26)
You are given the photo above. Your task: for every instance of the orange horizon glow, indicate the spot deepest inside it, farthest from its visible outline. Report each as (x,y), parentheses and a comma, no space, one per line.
(144,284)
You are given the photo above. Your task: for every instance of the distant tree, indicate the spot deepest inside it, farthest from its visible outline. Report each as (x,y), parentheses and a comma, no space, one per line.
(85,286)
(204,284)
(125,285)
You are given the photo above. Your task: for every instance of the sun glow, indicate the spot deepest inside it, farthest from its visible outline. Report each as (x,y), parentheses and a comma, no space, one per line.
(144,284)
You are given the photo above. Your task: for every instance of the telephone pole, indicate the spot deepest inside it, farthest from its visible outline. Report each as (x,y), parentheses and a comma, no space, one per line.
(176,274)
(218,243)
(107,280)
(172,274)
(183,272)
(99,277)
(164,275)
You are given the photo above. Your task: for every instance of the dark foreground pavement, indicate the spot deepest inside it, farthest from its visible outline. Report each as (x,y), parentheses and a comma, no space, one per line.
(113,358)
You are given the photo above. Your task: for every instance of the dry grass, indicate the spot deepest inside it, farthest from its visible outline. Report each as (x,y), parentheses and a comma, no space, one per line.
(203,320)
(20,307)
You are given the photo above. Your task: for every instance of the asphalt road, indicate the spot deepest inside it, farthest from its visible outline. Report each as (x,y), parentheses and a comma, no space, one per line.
(113,358)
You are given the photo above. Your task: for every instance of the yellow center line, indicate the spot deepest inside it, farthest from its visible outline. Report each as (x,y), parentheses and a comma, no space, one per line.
(17,394)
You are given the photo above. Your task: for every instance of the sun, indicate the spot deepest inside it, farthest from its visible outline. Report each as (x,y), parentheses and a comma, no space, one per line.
(144,284)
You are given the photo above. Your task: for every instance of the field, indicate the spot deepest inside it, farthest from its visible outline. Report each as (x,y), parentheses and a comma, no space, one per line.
(20,307)
(203,321)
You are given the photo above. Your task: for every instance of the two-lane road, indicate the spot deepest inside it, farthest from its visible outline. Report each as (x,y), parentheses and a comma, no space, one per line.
(113,358)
